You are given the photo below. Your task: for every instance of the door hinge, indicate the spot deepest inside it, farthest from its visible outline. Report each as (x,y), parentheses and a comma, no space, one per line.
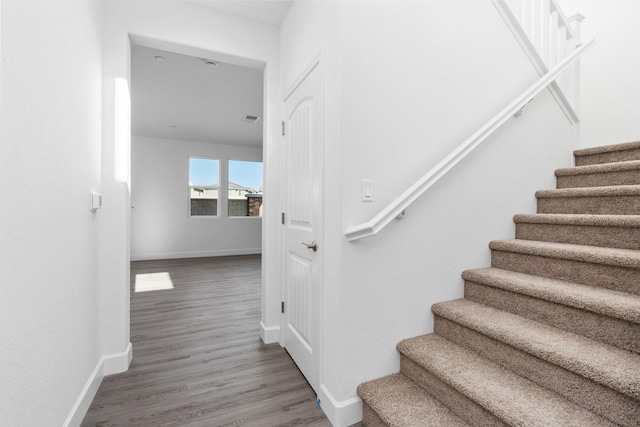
(282,127)
(282,306)
(282,219)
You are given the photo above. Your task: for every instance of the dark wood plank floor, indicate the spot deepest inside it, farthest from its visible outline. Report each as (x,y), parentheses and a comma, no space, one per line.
(198,358)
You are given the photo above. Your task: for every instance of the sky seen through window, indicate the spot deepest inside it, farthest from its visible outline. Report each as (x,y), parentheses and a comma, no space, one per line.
(206,172)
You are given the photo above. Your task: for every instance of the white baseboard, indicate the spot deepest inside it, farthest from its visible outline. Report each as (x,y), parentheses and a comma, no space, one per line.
(194,254)
(269,334)
(341,414)
(118,362)
(80,408)
(107,365)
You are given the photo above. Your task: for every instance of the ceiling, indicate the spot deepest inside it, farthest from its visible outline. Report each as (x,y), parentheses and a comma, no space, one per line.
(183,98)
(266,11)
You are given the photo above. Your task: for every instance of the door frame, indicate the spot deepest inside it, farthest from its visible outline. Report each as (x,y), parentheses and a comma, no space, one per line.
(125,24)
(316,63)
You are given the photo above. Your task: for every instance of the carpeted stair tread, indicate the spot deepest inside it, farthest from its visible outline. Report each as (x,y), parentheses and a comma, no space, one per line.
(608,316)
(578,219)
(597,398)
(605,191)
(606,200)
(508,396)
(610,256)
(399,402)
(600,149)
(624,146)
(608,153)
(599,168)
(614,231)
(599,175)
(575,353)
(619,305)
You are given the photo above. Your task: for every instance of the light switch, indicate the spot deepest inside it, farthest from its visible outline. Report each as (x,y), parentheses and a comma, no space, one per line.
(96,201)
(367,190)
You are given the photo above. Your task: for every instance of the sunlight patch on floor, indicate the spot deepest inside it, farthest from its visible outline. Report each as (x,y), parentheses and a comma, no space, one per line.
(153,282)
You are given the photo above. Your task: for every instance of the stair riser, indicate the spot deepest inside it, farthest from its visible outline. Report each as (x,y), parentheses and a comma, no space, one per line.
(590,274)
(461,405)
(608,237)
(607,205)
(628,177)
(370,418)
(614,156)
(597,398)
(606,329)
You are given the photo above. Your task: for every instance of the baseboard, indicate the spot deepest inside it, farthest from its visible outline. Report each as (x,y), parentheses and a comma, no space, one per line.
(194,254)
(269,334)
(80,408)
(341,414)
(107,365)
(118,362)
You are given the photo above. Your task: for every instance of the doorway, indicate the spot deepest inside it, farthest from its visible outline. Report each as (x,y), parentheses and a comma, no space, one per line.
(196,156)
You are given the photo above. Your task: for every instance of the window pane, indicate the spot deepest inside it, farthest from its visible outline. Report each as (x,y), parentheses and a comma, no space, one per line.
(204,183)
(245,188)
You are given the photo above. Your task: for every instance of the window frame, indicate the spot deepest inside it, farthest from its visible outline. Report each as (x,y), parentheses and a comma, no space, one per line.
(222,207)
(228,167)
(190,187)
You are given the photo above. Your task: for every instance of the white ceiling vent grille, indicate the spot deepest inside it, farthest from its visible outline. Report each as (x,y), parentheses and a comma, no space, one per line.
(250,119)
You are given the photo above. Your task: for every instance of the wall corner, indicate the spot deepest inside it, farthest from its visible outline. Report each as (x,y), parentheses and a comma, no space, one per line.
(117,362)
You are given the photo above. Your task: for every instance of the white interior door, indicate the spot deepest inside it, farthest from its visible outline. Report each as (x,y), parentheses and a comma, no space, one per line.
(302,222)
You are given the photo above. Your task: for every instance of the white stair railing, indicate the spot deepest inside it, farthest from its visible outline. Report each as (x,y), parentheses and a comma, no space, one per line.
(398,206)
(549,30)
(548,37)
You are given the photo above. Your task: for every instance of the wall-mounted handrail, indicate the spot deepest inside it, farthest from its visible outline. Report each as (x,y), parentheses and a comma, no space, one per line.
(404,200)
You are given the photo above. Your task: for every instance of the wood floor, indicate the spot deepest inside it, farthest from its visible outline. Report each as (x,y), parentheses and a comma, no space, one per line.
(198,358)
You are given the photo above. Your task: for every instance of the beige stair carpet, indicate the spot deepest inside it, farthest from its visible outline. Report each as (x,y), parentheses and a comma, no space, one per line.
(549,334)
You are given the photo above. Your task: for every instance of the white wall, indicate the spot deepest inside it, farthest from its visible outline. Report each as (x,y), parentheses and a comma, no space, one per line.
(160,225)
(50,151)
(609,109)
(405,83)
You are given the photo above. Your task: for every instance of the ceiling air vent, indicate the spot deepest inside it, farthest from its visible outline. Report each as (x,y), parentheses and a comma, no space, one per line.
(250,119)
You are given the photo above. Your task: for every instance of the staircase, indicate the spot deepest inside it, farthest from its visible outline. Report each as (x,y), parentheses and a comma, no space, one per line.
(549,335)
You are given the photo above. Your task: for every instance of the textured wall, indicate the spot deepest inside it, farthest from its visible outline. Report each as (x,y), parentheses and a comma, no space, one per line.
(50,151)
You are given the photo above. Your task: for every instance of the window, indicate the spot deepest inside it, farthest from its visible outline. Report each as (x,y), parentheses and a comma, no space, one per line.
(245,188)
(204,183)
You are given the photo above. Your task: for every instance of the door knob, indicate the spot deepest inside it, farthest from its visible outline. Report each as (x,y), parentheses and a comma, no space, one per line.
(313,245)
